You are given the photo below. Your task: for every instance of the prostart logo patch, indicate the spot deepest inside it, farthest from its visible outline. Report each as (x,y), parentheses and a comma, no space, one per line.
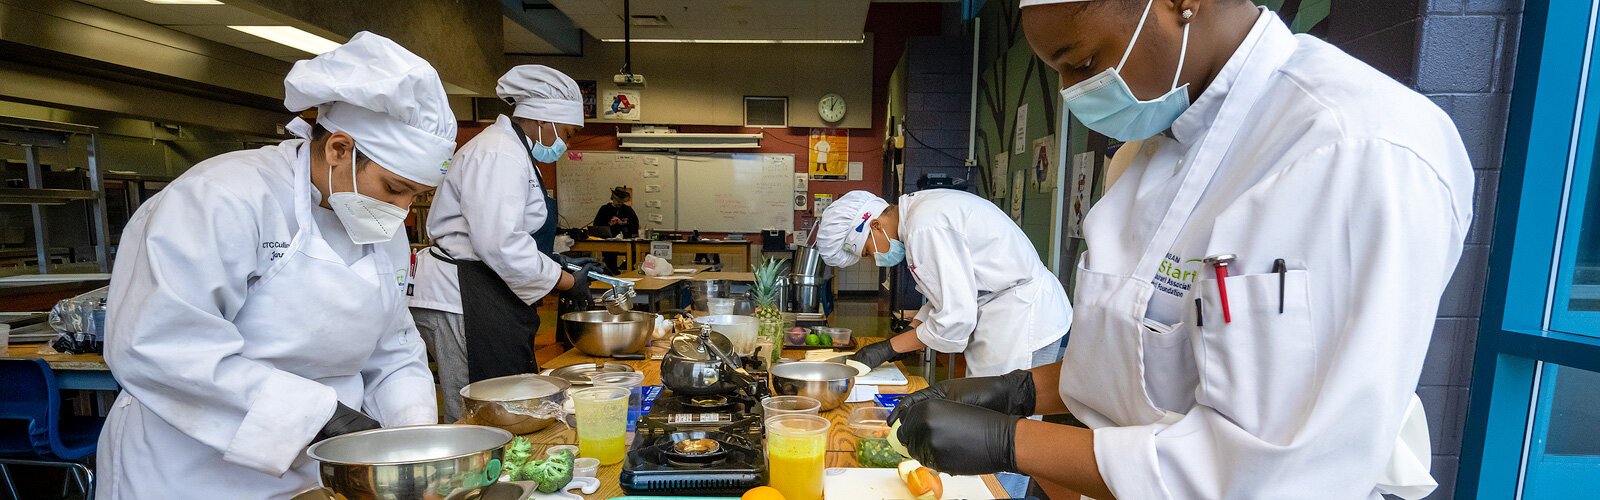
(865,216)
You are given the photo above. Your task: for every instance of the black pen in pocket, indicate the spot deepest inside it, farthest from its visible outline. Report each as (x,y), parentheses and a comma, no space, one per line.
(1278,266)
(1199,314)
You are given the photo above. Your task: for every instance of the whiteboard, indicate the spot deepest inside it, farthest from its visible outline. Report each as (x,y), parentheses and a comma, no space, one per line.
(584,181)
(735,192)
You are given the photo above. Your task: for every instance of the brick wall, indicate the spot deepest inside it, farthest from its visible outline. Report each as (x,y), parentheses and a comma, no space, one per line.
(1467,49)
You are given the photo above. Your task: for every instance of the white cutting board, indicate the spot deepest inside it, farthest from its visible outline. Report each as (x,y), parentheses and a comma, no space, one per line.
(887,374)
(885,484)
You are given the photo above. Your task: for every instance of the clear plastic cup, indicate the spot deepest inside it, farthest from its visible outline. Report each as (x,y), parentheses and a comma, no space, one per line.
(585,467)
(789,405)
(602,414)
(720,306)
(797,447)
(840,336)
(871,427)
(633,382)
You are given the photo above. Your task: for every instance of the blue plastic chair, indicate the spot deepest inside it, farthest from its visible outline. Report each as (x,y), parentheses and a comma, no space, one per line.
(32,430)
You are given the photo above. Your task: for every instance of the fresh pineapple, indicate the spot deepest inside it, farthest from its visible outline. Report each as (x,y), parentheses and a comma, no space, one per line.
(766,295)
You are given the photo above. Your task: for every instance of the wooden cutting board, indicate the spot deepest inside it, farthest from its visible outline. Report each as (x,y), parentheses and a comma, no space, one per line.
(885,484)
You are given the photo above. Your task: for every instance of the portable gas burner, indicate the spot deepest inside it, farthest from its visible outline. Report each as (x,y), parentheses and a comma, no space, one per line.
(675,455)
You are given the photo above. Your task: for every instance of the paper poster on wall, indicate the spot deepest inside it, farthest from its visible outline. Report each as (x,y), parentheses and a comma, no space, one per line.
(621,105)
(1043,158)
(1019,190)
(830,154)
(662,249)
(856,170)
(1000,176)
(801,181)
(821,203)
(587,89)
(1021,135)
(1079,185)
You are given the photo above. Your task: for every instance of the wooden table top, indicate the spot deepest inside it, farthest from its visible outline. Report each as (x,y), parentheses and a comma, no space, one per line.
(58,361)
(730,276)
(841,443)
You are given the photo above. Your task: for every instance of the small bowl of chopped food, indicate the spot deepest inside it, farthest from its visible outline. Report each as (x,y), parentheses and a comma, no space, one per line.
(871,427)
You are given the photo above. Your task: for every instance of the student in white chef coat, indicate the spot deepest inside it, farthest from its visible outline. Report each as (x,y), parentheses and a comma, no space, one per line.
(1344,198)
(493,227)
(258,302)
(988,296)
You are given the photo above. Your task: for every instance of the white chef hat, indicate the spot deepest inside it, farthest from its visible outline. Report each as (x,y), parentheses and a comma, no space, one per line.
(1029,3)
(387,98)
(542,93)
(845,225)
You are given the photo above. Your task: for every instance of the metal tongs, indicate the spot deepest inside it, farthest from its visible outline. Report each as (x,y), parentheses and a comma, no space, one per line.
(619,299)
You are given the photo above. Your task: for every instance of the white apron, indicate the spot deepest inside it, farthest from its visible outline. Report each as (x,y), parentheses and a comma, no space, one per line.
(310,315)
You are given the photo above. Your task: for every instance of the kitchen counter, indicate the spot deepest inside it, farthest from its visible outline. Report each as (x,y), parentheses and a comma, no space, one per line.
(841,443)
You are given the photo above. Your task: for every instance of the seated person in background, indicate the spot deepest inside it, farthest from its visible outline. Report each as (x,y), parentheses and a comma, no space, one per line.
(622,220)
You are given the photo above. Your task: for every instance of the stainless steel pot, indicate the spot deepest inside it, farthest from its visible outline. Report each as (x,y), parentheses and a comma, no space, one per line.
(701,364)
(425,461)
(600,333)
(828,383)
(521,404)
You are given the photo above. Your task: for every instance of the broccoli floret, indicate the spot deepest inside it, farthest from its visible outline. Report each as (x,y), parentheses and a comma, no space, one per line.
(518,453)
(555,473)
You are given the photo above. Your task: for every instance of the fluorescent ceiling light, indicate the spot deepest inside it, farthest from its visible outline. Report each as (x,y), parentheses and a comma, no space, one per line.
(291,36)
(184,2)
(700,40)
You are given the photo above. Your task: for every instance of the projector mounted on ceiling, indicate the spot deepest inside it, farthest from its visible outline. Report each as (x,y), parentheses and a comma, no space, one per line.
(628,80)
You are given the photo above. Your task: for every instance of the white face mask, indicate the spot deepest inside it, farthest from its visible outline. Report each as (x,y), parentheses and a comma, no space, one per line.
(366,220)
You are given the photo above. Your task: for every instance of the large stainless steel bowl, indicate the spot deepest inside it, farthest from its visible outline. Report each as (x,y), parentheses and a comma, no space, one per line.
(600,333)
(425,461)
(828,383)
(521,404)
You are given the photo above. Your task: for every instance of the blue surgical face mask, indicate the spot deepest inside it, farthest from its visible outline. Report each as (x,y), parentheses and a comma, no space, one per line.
(1106,105)
(893,257)
(551,153)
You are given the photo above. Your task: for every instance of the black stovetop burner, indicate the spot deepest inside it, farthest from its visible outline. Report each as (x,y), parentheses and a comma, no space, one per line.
(684,448)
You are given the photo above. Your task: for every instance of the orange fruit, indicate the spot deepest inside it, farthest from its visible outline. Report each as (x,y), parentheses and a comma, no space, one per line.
(762,493)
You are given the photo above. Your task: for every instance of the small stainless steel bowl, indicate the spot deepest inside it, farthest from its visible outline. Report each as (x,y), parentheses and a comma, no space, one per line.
(425,461)
(521,404)
(828,383)
(600,333)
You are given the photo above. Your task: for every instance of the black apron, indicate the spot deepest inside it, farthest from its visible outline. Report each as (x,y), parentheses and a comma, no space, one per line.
(499,326)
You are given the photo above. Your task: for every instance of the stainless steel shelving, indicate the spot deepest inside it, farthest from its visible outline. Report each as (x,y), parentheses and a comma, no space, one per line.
(32,135)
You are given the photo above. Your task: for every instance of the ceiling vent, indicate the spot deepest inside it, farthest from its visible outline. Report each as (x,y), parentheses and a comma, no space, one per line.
(766,111)
(650,22)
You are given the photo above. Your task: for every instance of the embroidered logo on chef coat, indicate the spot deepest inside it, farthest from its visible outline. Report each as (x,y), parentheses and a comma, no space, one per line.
(1176,275)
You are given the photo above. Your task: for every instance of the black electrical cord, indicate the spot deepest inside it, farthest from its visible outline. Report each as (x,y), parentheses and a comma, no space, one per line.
(936,150)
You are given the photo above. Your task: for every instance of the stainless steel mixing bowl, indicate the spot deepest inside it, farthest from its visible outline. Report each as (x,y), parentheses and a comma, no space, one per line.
(425,461)
(600,333)
(828,383)
(521,404)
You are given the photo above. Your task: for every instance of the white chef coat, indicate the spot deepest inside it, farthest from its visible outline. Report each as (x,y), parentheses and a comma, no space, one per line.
(1295,151)
(485,210)
(987,293)
(234,325)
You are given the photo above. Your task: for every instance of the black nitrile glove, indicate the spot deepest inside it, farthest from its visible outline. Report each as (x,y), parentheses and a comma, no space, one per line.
(579,295)
(958,438)
(876,354)
(345,420)
(1011,394)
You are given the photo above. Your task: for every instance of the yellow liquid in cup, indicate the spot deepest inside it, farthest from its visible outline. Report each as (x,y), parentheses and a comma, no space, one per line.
(795,465)
(608,450)
(602,422)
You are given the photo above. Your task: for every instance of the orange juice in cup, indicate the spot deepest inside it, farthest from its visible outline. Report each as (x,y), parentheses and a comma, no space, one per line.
(797,445)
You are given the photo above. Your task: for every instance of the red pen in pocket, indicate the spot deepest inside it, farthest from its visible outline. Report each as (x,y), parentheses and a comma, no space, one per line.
(1219,263)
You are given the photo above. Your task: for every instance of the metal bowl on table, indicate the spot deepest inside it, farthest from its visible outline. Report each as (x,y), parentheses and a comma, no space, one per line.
(828,383)
(425,461)
(600,333)
(520,404)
